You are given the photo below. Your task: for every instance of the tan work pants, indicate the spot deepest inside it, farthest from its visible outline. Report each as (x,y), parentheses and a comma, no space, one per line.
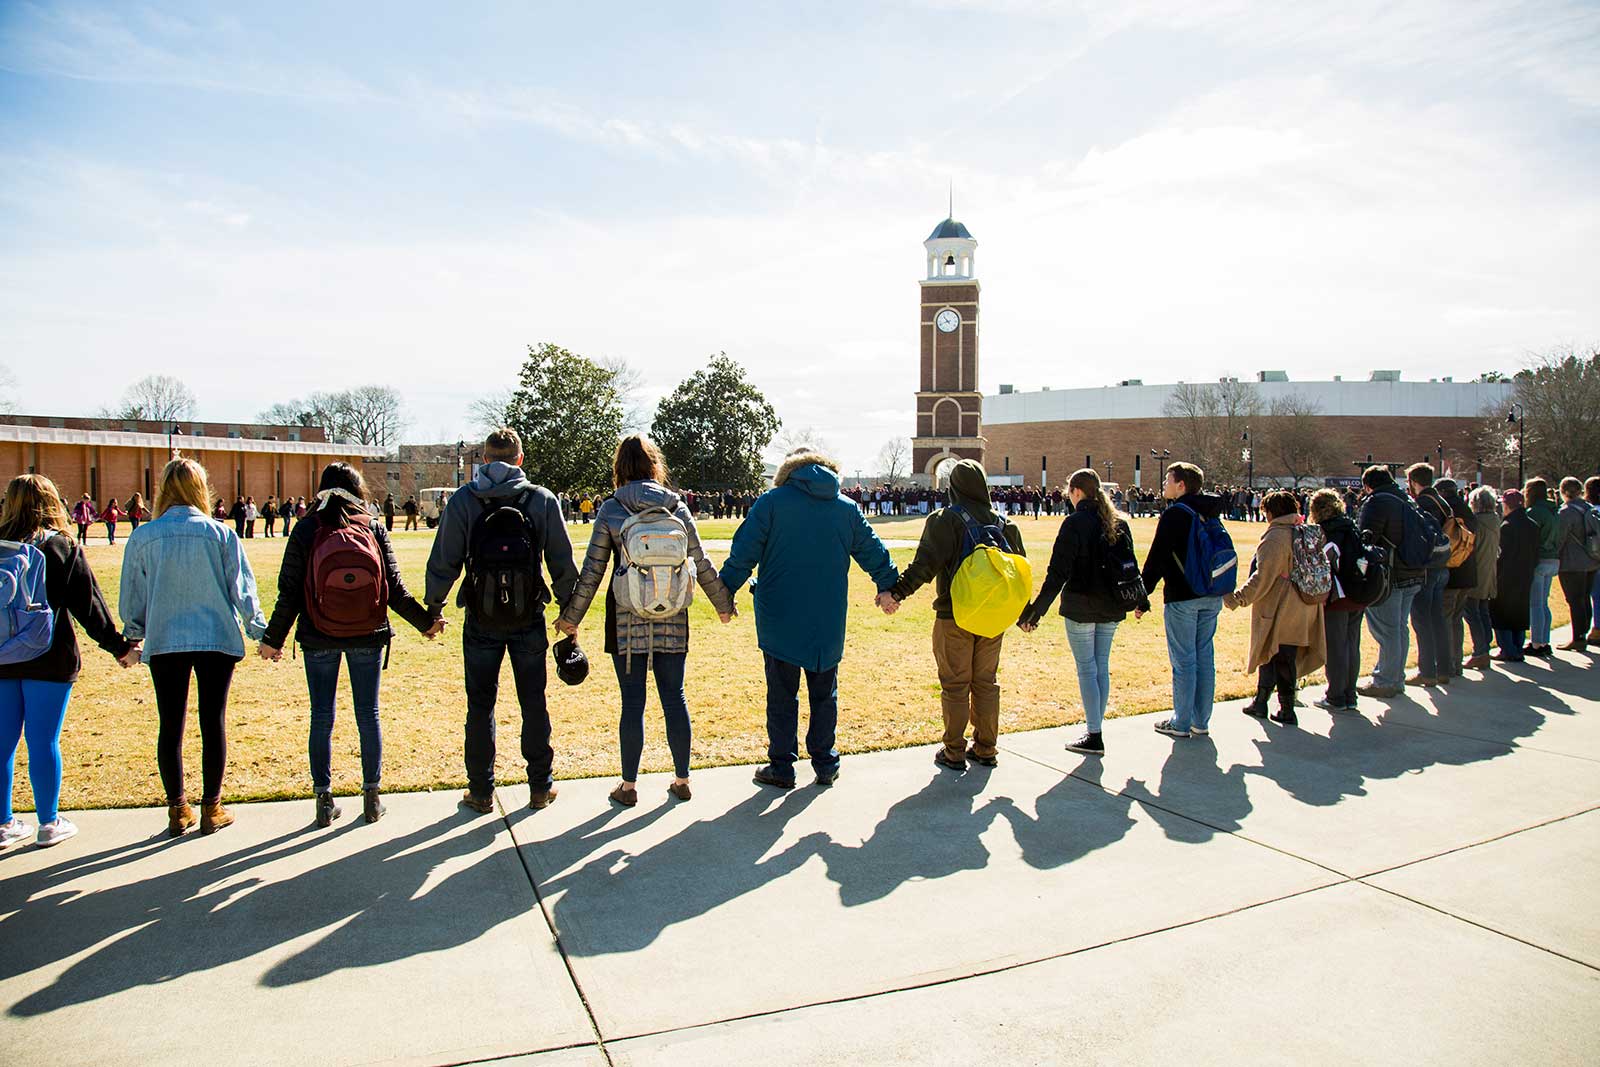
(968,690)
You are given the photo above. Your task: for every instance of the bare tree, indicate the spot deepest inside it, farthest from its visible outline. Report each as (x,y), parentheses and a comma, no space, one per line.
(159,397)
(802,437)
(894,460)
(488,412)
(628,381)
(1209,423)
(1294,437)
(1560,396)
(372,415)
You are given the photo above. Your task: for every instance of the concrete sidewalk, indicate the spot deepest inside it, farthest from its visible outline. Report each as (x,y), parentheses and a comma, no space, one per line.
(1419,884)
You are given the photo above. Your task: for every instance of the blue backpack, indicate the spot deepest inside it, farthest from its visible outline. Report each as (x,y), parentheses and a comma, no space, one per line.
(27,622)
(1423,543)
(1210,565)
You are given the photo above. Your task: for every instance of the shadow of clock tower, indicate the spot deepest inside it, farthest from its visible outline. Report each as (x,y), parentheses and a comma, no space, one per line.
(949,406)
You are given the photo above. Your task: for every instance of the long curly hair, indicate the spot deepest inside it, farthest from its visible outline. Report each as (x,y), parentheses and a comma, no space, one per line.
(1087,482)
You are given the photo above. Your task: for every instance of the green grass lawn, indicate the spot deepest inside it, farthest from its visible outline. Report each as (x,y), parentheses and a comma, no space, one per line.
(889,690)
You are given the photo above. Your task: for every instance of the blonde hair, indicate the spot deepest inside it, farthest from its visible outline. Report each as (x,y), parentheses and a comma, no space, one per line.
(1325,504)
(32,503)
(183,484)
(1087,482)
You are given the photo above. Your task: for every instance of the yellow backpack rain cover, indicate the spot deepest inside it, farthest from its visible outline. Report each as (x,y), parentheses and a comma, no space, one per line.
(991,586)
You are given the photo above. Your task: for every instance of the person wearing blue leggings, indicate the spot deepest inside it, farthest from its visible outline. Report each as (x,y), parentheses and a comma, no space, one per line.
(34,693)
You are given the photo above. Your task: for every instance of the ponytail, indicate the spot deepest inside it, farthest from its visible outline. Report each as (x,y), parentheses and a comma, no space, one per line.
(1087,482)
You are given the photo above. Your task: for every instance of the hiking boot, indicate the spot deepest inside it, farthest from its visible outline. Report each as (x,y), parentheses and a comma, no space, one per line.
(1089,744)
(482,803)
(14,833)
(327,810)
(180,818)
(214,817)
(55,831)
(1165,726)
(541,799)
(987,761)
(1286,716)
(372,808)
(943,759)
(769,775)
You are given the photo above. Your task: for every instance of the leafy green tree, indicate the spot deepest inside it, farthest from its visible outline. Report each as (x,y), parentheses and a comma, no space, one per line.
(569,414)
(714,426)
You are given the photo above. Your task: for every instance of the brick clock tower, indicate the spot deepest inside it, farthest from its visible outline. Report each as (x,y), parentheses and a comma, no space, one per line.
(949,406)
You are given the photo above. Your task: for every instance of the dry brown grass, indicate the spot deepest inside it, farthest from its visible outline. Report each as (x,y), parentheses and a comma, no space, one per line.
(889,693)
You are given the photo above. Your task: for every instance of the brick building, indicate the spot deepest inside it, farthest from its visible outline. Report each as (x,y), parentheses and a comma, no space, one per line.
(1050,433)
(416,467)
(115,458)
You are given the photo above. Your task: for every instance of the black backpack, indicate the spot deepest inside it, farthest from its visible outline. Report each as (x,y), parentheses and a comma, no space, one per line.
(1120,578)
(507,590)
(1365,574)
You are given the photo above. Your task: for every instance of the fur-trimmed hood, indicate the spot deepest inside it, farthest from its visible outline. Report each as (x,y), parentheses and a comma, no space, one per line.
(811,472)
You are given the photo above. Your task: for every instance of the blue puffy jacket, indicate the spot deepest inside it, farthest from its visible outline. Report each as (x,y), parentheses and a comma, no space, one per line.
(802,535)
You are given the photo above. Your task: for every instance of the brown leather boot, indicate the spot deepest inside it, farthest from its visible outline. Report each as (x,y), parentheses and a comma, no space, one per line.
(180,817)
(214,817)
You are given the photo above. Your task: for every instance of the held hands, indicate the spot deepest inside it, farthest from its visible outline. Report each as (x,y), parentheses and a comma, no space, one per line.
(267,652)
(131,657)
(726,616)
(435,630)
(886,600)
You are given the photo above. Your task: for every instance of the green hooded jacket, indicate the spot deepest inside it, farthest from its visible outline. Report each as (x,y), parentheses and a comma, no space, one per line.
(944,536)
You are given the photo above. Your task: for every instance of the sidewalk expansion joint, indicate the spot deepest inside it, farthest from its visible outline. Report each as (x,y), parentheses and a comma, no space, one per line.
(1474,844)
(502,1058)
(1481,926)
(549,921)
(934,983)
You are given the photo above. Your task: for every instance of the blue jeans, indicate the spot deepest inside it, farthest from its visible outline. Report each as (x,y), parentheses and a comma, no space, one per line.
(631,675)
(322,682)
(482,652)
(1191,626)
(1594,602)
(1387,620)
(1433,632)
(1539,601)
(1481,626)
(783,716)
(37,709)
(1510,642)
(1091,651)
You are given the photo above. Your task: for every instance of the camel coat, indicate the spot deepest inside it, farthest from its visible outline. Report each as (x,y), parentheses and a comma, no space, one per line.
(1278,616)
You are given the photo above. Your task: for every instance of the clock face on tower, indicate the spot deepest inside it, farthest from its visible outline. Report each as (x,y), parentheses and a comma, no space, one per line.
(947,320)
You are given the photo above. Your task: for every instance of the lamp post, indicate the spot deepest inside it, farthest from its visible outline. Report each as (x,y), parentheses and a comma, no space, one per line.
(1161,459)
(1439,470)
(459,446)
(1519,417)
(1109,465)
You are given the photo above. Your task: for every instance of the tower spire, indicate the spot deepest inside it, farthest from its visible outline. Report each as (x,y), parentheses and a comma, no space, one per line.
(952,213)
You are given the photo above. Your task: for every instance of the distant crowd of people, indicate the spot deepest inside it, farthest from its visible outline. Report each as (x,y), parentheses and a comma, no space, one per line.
(1421,556)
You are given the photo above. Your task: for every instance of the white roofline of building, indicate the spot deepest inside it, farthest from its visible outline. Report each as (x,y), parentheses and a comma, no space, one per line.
(52,435)
(1383,399)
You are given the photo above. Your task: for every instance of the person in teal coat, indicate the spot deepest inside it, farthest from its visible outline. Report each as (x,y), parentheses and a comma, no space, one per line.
(800,537)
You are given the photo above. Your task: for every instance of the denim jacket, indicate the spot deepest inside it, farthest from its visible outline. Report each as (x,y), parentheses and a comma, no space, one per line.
(186,584)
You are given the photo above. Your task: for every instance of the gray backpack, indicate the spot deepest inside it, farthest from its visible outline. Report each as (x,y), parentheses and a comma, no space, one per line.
(655,575)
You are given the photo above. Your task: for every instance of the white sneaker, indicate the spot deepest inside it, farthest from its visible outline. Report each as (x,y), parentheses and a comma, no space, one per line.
(14,833)
(1199,731)
(55,831)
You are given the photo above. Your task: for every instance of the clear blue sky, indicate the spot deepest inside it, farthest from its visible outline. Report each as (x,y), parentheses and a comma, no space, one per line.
(270,199)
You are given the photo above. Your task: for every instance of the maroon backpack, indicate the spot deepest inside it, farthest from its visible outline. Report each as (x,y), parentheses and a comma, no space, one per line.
(347,594)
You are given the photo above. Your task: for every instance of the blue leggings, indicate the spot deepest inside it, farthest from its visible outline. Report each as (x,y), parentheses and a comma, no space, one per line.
(36,709)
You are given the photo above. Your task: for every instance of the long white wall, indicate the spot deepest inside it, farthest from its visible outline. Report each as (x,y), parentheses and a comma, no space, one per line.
(1384,399)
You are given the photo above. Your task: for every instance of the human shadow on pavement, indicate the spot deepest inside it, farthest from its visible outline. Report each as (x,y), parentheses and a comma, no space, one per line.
(1071,819)
(216,912)
(1195,798)
(621,901)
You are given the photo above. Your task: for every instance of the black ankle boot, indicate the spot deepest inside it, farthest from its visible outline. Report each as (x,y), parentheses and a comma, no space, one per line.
(327,810)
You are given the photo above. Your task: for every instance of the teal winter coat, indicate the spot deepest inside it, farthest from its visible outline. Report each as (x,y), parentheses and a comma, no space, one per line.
(800,537)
